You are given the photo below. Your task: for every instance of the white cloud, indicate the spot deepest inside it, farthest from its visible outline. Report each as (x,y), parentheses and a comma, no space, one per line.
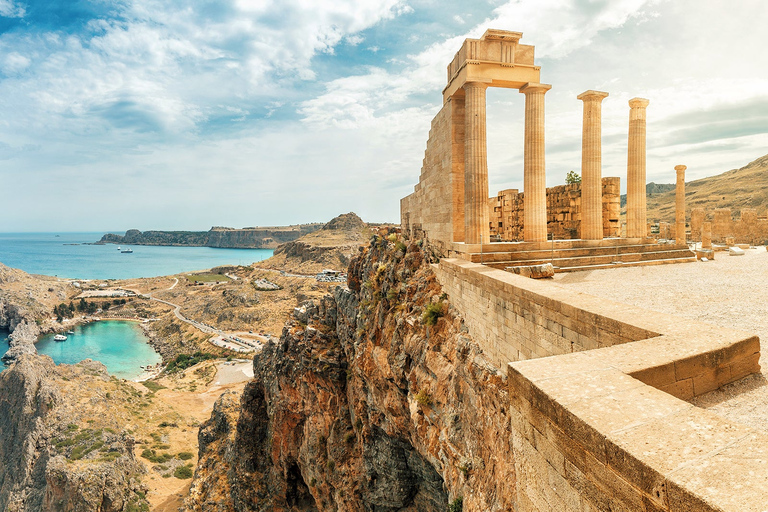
(11,9)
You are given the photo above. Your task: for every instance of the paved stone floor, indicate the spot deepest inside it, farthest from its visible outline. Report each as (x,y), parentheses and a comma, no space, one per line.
(731,291)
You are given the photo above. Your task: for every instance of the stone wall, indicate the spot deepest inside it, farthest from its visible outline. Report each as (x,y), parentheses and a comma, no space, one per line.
(748,229)
(610,428)
(436,205)
(563,212)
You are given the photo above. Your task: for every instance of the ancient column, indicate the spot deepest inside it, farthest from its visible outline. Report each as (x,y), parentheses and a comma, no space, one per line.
(476,230)
(534,175)
(636,217)
(591,158)
(680,205)
(706,235)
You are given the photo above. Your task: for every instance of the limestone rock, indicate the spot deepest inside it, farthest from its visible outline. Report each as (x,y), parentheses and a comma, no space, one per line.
(335,418)
(533,271)
(735,251)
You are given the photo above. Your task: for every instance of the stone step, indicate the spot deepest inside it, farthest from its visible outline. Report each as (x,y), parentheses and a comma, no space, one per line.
(600,259)
(506,256)
(628,264)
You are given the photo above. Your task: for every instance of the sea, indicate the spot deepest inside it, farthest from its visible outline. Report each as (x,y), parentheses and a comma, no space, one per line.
(120,345)
(70,255)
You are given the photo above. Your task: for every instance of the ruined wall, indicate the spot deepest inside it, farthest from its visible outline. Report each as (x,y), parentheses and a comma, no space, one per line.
(563,212)
(436,205)
(609,428)
(749,228)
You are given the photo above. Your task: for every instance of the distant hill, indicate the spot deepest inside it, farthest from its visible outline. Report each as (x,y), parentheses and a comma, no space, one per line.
(651,189)
(331,246)
(246,238)
(736,189)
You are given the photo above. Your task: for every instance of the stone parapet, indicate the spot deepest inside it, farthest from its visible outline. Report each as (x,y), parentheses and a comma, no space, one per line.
(605,425)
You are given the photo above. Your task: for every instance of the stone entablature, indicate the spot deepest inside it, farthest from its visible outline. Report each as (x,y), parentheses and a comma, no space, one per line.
(605,425)
(506,212)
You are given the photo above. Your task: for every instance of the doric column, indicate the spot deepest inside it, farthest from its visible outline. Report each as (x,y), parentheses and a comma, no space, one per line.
(591,159)
(680,205)
(475,165)
(636,207)
(534,174)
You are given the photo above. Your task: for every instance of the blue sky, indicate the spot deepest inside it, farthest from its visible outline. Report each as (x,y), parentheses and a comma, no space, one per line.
(177,114)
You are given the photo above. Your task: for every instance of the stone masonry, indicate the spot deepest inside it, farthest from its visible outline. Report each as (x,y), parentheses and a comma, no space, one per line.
(506,212)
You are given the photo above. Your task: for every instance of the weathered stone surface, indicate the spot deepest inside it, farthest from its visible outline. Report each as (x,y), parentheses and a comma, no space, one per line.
(709,254)
(370,407)
(35,474)
(533,271)
(735,251)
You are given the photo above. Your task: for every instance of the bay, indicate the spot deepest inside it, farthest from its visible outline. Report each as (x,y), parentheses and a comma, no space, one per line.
(121,346)
(54,254)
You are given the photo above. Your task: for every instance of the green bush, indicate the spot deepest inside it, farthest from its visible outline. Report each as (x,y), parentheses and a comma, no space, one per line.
(185,455)
(183,472)
(424,398)
(432,312)
(456,505)
(184,361)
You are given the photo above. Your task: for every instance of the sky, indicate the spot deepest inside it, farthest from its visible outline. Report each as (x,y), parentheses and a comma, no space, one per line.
(174,114)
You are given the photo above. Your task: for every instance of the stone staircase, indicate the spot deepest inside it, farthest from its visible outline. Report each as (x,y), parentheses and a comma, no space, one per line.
(574,255)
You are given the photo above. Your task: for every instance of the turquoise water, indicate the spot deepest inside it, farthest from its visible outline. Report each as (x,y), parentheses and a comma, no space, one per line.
(48,254)
(121,346)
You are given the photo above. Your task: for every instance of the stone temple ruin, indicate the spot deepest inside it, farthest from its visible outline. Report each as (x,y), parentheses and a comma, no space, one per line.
(451,206)
(599,392)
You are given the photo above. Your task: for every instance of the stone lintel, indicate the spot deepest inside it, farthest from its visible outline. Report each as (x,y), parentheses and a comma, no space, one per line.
(638,103)
(592,95)
(534,87)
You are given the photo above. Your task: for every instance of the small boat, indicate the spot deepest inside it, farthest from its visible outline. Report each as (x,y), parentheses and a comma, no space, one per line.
(128,250)
(59,337)
(118,247)
(70,332)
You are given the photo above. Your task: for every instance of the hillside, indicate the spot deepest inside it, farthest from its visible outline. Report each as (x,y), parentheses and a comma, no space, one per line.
(331,246)
(746,187)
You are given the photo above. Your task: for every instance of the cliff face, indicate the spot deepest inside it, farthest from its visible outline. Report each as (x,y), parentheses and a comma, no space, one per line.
(362,406)
(247,238)
(50,462)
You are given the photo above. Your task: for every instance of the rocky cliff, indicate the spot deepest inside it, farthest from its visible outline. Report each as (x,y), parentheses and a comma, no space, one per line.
(332,246)
(246,238)
(54,457)
(375,399)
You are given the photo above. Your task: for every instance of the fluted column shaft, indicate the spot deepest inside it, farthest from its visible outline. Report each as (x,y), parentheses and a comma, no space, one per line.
(476,229)
(591,163)
(680,205)
(534,173)
(636,205)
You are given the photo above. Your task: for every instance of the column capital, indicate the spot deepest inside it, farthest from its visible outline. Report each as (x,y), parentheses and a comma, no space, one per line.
(680,168)
(638,103)
(479,84)
(591,95)
(535,87)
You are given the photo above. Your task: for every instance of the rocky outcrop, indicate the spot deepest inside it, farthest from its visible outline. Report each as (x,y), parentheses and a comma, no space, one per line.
(49,462)
(375,399)
(221,237)
(21,341)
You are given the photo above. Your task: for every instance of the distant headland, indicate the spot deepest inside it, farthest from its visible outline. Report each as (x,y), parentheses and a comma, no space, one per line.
(217,236)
